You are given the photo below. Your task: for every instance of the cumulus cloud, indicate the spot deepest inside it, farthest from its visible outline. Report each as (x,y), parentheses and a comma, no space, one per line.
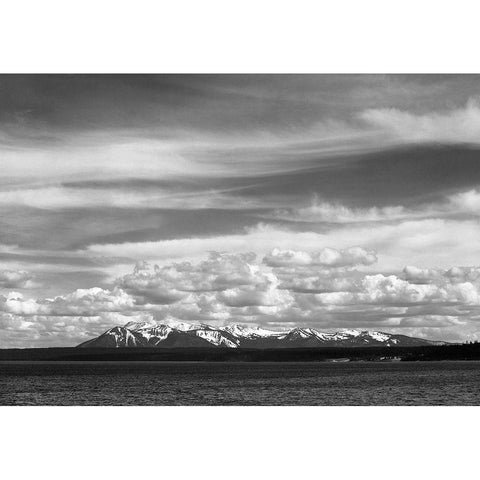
(329,257)
(327,289)
(172,282)
(267,295)
(381,289)
(85,302)
(420,275)
(46,331)
(456,125)
(439,276)
(15,279)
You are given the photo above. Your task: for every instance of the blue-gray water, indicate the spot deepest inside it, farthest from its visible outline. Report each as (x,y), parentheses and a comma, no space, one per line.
(165,383)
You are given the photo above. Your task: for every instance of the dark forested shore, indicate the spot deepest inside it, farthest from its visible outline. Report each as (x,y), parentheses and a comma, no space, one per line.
(419,353)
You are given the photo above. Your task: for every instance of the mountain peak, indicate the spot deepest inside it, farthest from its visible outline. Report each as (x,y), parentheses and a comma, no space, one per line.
(177,335)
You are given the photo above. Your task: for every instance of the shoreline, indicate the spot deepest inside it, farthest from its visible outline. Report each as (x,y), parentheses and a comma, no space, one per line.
(466,352)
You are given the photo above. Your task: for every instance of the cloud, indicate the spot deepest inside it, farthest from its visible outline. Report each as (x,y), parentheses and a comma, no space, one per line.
(468,201)
(320,211)
(464,202)
(167,169)
(428,243)
(381,289)
(81,302)
(420,275)
(329,257)
(452,126)
(327,289)
(58,197)
(218,272)
(265,295)
(15,279)
(452,275)
(46,331)
(234,280)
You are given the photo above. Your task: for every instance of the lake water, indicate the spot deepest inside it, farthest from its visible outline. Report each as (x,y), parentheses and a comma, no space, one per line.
(169,383)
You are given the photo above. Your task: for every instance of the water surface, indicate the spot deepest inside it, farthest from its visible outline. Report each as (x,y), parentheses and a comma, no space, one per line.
(202,383)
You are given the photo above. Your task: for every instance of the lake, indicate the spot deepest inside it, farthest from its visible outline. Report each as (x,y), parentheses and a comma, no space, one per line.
(202,383)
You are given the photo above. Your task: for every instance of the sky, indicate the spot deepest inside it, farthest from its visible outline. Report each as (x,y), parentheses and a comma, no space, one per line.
(323,201)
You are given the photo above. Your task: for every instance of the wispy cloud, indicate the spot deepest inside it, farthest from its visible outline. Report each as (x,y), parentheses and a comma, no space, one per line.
(465,202)
(449,126)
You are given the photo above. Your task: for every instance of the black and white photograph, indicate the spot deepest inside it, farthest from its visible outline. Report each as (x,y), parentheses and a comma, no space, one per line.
(239,240)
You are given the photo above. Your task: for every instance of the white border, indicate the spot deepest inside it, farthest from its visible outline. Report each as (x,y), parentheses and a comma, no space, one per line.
(252,36)
(394,443)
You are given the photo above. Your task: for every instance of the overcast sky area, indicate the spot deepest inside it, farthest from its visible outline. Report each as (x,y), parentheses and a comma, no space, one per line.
(324,201)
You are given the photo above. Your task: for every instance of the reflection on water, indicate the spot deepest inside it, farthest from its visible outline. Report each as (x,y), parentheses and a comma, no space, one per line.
(164,383)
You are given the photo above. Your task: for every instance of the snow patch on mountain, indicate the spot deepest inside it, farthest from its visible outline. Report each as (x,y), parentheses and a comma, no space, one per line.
(250,332)
(217,338)
(379,337)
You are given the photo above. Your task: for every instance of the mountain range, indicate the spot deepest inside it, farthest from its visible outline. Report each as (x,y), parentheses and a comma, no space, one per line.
(182,335)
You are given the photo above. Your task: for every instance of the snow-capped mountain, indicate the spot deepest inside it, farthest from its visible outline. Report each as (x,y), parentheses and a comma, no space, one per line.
(240,336)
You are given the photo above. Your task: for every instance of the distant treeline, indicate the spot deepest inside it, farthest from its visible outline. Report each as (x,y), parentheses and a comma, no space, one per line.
(468,351)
